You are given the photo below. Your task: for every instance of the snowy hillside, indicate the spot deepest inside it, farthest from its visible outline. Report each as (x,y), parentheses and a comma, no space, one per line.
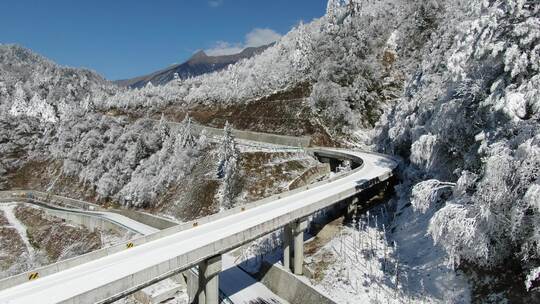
(31,85)
(468,127)
(345,61)
(31,238)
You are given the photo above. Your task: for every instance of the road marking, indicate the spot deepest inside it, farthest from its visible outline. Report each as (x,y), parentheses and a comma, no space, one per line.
(33,276)
(130,245)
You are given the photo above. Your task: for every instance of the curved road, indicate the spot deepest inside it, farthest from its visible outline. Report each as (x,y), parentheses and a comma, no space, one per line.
(123,221)
(115,218)
(114,275)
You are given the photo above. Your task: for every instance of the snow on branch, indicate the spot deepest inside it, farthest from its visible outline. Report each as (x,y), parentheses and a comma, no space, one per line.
(533,279)
(425,194)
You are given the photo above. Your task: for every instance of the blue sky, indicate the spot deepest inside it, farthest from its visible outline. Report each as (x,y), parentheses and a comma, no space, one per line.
(126,38)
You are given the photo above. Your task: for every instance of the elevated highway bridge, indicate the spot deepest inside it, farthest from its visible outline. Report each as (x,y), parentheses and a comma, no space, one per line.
(112,273)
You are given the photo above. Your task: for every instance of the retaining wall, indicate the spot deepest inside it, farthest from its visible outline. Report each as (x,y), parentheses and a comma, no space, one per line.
(145,218)
(303,141)
(309,176)
(48,197)
(289,287)
(78,218)
(88,221)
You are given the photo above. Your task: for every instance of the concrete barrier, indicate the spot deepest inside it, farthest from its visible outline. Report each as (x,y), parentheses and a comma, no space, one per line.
(309,176)
(302,141)
(145,218)
(289,287)
(52,199)
(88,221)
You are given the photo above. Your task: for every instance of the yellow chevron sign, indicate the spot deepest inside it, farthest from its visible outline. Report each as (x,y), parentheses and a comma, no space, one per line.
(33,276)
(130,245)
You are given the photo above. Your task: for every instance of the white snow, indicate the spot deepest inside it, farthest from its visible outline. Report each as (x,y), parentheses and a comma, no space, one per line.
(361,269)
(532,276)
(20,227)
(240,287)
(515,105)
(367,264)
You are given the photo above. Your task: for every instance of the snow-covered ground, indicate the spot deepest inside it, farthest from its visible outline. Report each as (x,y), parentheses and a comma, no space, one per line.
(368,263)
(16,252)
(241,288)
(371,260)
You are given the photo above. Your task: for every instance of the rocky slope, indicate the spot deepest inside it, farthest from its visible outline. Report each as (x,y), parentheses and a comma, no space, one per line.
(30,238)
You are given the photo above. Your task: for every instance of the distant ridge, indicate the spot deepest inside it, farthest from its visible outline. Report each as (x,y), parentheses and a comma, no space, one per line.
(200,63)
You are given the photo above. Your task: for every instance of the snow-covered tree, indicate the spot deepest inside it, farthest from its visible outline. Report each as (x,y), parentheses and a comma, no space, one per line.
(31,85)
(426,194)
(469,115)
(186,138)
(227,168)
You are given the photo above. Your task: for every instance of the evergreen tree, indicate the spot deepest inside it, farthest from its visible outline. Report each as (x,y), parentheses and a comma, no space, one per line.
(227,168)
(185,137)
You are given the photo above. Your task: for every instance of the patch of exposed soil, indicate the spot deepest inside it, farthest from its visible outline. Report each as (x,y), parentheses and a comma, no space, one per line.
(31,173)
(12,248)
(41,175)
(193,197)
(54,236)
(265,174)
(325,259)
(325,235)
(284,117)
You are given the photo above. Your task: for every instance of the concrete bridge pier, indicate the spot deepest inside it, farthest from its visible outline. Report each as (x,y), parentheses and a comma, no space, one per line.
(299,228)
(208,291)
(352,207)
(287,250)
(293,236)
